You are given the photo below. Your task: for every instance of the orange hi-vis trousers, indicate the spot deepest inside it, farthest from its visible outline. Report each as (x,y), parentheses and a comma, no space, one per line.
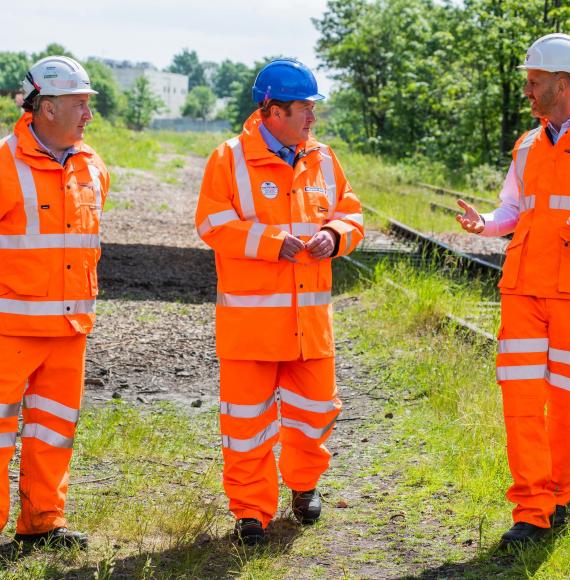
(533,369)
(46,375)
(249,392)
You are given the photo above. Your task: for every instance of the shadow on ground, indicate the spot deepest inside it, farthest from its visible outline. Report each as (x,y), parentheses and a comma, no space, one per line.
(493,564)
(207,557)
(148,272)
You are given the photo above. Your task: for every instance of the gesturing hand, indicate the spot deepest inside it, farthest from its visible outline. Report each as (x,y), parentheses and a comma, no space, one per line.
(290,248)
(322,244)
(470,221)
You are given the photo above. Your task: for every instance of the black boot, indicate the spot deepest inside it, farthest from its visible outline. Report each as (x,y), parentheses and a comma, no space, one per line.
(249,531)
(523,534)
(56,538)
(307,506)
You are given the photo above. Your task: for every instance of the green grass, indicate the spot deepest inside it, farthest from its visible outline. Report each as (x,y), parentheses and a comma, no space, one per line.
(189,142)
(449,444)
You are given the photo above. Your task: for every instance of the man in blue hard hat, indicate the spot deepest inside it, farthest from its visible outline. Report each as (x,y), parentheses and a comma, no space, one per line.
(276,207)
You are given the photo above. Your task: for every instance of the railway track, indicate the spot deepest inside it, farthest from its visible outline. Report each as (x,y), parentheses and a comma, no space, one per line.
(401,241)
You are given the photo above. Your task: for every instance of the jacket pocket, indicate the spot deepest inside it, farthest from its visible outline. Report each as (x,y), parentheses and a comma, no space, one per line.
(564,271)
(92,278)
(325,274)
(24,274)
(513,260)
(235,275)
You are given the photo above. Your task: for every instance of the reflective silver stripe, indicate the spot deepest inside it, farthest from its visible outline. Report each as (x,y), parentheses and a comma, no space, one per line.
(511,345)
(305,229)
(41,241)
(242,180)
(7,439)
(522,154)
(559,202)
(46,308)
(327,169)
(217,219)
(95,173)
(28,187)
(353,217)
(558,355)
(314,298)
(527,202)
(301,402)
(246,411)
(522,372)
(9,410)
(255,300)
(558,380)
(52,407)
(284,227)
(308,430)
(253,239)
(348,239)
(47,435)
(243,445)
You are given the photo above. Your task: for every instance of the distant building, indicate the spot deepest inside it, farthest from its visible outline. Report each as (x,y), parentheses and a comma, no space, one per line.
(172,88)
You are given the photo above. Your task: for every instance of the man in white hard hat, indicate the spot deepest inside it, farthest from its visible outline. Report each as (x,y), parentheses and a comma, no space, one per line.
(52,190)
(533,364)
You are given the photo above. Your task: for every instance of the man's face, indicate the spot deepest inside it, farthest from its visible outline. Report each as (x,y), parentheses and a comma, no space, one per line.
(294,128)
(71,113)
(543,92)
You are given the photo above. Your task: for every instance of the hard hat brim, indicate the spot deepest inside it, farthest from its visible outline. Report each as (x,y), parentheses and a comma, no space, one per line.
(550,69)
(317,97)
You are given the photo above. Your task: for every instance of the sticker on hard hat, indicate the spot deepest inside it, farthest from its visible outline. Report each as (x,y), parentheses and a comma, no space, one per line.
(269,189)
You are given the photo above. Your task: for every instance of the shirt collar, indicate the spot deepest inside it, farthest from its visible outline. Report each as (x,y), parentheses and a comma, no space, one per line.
(60,159)
(274,144)
(557,134)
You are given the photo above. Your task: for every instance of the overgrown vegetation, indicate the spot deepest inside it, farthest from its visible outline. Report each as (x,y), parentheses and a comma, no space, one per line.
(434,78)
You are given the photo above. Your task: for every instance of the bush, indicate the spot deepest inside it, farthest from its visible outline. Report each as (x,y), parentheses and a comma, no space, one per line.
(486,178)
(9,113)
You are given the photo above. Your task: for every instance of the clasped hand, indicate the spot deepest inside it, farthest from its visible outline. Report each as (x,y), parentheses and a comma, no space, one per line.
(320,246)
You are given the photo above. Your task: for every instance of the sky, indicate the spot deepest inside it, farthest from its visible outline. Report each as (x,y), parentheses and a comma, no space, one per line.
(153,31)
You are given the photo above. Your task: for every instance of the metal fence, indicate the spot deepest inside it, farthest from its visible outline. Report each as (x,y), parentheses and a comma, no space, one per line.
(217,126)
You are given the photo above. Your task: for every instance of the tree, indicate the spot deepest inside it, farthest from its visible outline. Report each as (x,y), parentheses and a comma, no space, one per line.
(108,101)
(228,73)
(187,63)
(199,103)
(13,68)
(141,104)
(9,111)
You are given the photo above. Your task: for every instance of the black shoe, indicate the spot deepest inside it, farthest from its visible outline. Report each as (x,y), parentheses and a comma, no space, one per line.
(523,534)
(558,518)
(249,531)
(56,538)
(307,506)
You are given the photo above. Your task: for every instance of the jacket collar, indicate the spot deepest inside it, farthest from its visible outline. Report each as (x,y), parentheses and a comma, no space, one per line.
(29,149)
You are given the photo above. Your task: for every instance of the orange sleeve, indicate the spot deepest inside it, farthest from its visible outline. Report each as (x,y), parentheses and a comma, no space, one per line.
(347,220)
(218,216)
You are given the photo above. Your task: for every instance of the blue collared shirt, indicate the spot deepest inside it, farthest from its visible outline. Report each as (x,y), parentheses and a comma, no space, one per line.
(60,159)
(275,145)
(557,134)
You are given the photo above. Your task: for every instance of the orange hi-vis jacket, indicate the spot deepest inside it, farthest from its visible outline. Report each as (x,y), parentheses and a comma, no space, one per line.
(271,309)
(49,237)
(538,257)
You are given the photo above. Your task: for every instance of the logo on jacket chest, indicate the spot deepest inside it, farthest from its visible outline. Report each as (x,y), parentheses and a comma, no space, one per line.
(269,189)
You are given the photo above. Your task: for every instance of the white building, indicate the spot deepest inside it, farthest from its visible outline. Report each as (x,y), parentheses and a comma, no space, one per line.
(171,88)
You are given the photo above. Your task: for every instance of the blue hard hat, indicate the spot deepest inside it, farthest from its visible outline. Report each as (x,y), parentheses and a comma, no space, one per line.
(285,80)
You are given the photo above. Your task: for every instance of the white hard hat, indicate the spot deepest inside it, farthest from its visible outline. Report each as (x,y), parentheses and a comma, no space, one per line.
(55,76)
(550,53)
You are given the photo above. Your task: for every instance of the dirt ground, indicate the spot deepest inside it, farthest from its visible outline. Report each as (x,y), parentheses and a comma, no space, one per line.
(154,341)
